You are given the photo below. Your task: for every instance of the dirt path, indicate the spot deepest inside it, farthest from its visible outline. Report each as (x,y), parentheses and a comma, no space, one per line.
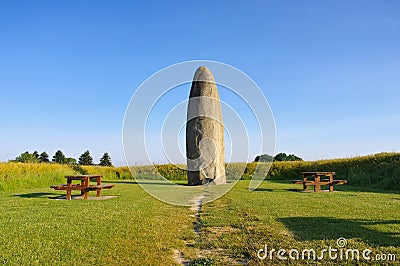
(197,206)
(179,256)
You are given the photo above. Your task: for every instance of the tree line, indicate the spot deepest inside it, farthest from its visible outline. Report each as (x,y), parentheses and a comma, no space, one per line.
(59,157)
(280,157)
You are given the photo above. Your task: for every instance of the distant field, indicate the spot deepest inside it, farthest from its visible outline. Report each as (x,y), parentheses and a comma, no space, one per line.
(136,229)
(373,171)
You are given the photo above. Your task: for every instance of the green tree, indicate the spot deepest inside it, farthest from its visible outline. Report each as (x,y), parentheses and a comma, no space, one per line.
(292,157)
(105,160)
(26,157)
(59,157)
(264,158)
(70,161)
(280,157)
(43,157)
(86,159)
(35,154)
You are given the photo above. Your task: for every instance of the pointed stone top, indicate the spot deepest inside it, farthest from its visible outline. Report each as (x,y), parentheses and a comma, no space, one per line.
(203,74)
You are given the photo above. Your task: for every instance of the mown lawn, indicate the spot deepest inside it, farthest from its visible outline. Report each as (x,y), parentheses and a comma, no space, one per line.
(132,229)
(242,222)
(136,229)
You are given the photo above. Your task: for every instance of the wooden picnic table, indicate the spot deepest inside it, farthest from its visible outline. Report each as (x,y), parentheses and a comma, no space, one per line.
(84,185)
(317,182)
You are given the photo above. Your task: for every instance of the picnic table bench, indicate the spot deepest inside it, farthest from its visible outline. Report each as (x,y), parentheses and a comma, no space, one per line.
(317,182)
(84,185)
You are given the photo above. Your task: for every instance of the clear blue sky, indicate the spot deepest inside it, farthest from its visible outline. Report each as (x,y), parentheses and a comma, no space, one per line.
(329,69)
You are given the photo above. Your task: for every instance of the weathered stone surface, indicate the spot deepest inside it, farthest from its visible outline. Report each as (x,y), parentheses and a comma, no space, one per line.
(204,131)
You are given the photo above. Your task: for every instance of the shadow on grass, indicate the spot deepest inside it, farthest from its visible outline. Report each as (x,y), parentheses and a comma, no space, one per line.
(134,182)
(276,189)
(352,188)
(127,181)
(344,188)
(322,228)
(144,182)
(38,195)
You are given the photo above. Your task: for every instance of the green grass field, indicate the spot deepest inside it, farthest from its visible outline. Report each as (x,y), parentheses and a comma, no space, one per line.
(132,229)
(136,229)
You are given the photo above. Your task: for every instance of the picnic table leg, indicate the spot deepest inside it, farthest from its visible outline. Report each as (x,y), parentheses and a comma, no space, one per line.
(86,192)
(317,186)
(331,183)
(68,194)
(82,184)
(98,183)
(304,183)
(69,184)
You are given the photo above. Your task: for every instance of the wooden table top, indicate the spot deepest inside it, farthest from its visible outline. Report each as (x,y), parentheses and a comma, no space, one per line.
(82,176)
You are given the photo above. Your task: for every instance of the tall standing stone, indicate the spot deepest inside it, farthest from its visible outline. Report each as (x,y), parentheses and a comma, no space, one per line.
(204,131)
